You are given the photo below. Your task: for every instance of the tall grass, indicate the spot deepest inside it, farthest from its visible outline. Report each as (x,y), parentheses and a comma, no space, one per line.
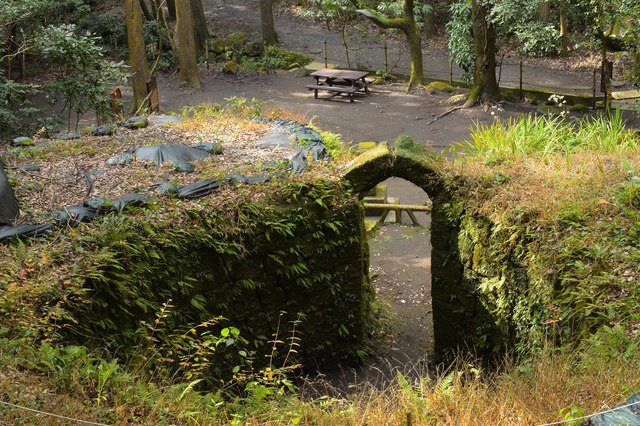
(551,385)
(542,136)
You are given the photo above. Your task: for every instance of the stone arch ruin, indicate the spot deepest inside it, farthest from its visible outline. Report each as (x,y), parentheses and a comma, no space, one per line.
(456,312)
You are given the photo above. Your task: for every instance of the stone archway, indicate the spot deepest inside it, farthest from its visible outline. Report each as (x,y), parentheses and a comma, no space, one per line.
(407,160)
(414,163)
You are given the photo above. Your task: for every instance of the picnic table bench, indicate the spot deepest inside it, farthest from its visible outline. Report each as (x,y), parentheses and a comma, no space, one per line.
(340,81)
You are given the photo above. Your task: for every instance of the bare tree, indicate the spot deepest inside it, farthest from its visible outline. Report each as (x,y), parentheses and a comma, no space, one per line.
(200,30)
(485,84)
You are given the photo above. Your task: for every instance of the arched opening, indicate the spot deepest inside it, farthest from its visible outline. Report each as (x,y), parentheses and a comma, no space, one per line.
(413,163)
(400,271)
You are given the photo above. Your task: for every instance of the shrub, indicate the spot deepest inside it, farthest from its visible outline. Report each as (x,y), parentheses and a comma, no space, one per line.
(13,117)
(83,77)
(538,39)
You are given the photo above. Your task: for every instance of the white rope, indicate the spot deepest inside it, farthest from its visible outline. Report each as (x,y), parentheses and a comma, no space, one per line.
(50,414)
(592,415)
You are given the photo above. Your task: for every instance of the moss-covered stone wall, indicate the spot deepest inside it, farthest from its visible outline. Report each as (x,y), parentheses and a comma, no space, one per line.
(301,251)
(482,295)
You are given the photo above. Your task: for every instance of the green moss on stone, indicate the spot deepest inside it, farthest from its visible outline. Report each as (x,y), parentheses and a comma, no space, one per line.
(235,42)
(415,163)
(438,87)
(369,168)
(548,109)
(231,67)
(218,46)
(578,108)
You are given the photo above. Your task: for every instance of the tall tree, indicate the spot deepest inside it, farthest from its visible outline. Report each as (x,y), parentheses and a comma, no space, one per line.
(406,24)
(200,30)
(186,45)
(145,11)
(137,52)
(429,19)
(171,6)
(544,9)
(485,85)
(266,20)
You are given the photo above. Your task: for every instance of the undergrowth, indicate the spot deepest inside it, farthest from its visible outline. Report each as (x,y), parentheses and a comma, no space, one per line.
(548,386)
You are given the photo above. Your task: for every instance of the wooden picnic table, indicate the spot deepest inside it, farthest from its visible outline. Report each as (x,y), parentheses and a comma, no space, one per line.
(340,81)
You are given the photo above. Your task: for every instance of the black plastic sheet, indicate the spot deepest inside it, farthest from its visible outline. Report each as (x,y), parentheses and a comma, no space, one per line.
(79,214)
(131,199)
(9,208)
(320,153)
(198,189)
(170,153)
(624,414)
(24,231)
(299,162)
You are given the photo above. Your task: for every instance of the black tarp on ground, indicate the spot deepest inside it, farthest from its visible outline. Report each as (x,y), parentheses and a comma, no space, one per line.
(170,153)
(9,208)
(198,189)
(23,231)
(299,162)
(131,199)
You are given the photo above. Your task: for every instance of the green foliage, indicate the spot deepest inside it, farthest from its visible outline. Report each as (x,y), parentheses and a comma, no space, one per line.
(15,107)
(277,59)
(540,136)
(577,238)
(83,77)
(459,28)
(234,261)
(108,27)
(538,39)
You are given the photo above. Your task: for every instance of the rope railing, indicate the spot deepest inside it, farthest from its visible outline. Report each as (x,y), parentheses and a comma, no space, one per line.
(50,414)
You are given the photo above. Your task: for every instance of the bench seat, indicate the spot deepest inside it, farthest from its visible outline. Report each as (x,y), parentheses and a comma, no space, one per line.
(343,89)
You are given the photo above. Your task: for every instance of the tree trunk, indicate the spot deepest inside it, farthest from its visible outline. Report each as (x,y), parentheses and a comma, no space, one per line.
(145,11)
(10,53)
(137,53)
(564,42)
(409,27)
(186,46)
(485,85)
(266,21)
(345,25)
(171,6)
(411,30)
(200,30)
(430,20)
(544,9)
(154,10)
